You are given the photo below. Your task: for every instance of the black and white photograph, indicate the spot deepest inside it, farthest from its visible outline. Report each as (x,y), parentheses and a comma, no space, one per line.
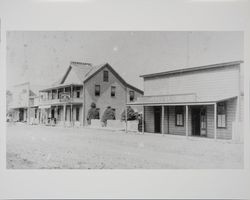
(124,100)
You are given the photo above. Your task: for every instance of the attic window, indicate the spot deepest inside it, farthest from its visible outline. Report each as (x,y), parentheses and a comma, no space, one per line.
(105,76)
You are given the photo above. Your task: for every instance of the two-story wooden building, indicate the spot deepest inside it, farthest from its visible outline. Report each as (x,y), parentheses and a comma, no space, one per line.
(200,101)
(68,101)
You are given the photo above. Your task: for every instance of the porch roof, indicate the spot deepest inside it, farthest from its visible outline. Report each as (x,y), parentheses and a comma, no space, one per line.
(59,86)
(183,99)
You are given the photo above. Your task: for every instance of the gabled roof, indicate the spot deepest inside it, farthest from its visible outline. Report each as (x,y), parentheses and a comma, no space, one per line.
(85,71)
(218,65)
(81,69)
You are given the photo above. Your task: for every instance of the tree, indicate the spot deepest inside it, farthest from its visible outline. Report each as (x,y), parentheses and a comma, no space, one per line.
(93,113)
(131,114)
(108,114)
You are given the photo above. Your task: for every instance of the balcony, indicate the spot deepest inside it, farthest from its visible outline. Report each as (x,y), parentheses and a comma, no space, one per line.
(61,101)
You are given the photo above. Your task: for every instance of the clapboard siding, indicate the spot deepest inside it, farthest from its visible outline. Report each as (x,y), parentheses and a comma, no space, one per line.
(222,133)
(149,119)
(226,133)
(206,84)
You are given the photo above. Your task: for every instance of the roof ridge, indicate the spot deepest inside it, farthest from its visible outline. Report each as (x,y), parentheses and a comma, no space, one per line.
(81,63)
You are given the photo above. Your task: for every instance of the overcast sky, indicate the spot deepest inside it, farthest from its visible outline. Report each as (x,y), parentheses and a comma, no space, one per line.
(43,57)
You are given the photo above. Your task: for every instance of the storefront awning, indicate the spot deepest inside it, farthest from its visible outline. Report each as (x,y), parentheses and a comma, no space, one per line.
(183,99)
(45,106)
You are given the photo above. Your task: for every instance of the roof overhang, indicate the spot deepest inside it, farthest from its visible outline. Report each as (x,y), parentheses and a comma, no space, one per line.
(59,86)
(192,69)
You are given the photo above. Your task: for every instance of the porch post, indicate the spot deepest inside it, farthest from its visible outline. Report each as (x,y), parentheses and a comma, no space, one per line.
(187,120)
(64,113)
(142,119)
(71,114)
(215,121)
(71,91)
(126,119)
(162,120)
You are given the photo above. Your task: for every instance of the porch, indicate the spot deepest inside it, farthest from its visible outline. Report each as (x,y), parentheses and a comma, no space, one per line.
(62,114)
(211,119)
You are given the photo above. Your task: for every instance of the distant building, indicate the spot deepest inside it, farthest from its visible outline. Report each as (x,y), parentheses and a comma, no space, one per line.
(68,101)
(19,104)
(200,101)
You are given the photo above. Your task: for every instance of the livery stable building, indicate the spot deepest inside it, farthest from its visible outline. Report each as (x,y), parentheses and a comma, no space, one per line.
(68,101)
(202,101)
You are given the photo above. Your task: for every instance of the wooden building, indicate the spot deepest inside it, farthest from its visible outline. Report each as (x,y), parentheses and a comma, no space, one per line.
(68,101)
(200,101)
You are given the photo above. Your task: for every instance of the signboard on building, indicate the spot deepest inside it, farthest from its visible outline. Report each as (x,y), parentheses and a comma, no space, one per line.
(65,97)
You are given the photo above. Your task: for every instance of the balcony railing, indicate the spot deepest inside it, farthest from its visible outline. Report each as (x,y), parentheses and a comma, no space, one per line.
(61,101)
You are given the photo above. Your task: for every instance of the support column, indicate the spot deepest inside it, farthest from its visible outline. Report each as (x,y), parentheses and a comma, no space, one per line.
(71,114)
(187,120)
(142,119)
(64,114)
(71,91)
(215,121)
(126,119)
(162,120)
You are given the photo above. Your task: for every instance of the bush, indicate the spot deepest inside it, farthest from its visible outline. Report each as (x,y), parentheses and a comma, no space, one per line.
(93,113)
(108,114)
(131,114)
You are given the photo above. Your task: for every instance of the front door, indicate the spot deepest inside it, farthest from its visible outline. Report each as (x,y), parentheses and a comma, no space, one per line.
(196,125)
(157,116)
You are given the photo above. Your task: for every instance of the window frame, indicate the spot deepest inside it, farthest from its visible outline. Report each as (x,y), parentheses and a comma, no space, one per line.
(113,91)
(133,92)
(96,91)
(105,76)
(178,113)
(225,113)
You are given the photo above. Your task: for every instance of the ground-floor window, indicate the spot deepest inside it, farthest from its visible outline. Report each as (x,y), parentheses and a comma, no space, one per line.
(221,115)
(179,116)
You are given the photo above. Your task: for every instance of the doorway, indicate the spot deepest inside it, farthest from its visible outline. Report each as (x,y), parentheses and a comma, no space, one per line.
(199,121)
(21,115)
(157,117)
(196,125)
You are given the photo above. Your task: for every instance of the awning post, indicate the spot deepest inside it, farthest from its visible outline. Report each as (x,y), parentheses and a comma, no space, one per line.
(215,121)
(187,120)
(162,120)
(126,119)
(142,120)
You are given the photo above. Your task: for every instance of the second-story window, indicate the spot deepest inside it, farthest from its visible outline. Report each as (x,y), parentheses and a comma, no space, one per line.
(131,95)
(105,76)
(112,91)
(97,90)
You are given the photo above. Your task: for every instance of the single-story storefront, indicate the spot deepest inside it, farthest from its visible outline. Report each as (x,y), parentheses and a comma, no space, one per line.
(212,119)
(205,101)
